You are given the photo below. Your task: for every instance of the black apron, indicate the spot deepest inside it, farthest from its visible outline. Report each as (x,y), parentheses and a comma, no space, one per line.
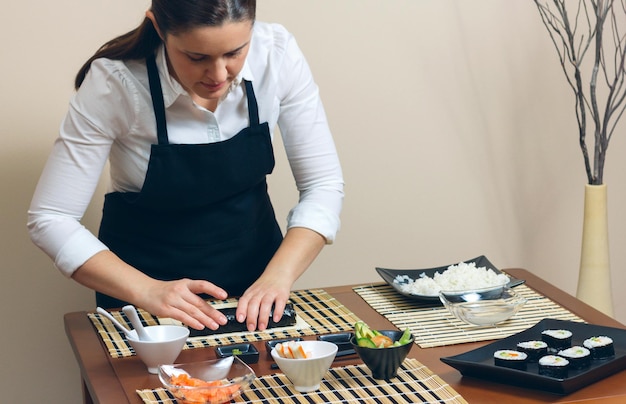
(203,211)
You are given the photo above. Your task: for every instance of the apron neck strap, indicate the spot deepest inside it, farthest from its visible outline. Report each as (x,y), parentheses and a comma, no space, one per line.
(157,99)
(158,104)
(253,108)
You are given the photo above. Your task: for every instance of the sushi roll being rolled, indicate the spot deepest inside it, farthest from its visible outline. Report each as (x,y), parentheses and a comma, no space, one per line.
(510,359)
(534,349)
(553,366)
(579,357)
(557,339)
(601,347)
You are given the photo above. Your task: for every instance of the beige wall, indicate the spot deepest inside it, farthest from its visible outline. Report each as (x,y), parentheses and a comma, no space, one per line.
(452,119)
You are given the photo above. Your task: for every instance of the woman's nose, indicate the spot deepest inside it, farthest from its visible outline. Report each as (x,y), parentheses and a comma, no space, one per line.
(217,71)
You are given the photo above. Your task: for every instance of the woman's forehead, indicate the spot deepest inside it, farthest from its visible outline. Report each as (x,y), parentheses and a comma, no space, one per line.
(211,40)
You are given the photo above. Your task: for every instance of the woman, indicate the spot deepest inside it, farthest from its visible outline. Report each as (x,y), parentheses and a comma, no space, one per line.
(183,108)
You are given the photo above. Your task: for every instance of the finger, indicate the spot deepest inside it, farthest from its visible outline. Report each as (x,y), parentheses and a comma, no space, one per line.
(252,315)
(191,308)
(199,286)
(242,309)
(189,315)
(264,314)
(193,322)
(279,309)
(201,316)
(208,312)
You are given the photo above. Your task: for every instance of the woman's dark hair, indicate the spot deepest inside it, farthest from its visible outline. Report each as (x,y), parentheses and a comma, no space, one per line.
(172,17)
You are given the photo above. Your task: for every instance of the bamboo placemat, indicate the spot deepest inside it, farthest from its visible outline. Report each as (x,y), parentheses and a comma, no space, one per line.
(415,383)
(433,326)
(321,312)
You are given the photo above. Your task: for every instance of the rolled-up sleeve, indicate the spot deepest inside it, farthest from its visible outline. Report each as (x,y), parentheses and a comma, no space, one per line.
(72,173)
(310,148)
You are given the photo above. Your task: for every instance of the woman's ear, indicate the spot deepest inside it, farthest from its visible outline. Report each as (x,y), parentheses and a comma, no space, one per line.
(150,16)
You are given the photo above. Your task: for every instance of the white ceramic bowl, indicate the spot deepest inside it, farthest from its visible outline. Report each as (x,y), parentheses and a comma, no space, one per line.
(483,307)
(164,347)
(307,374)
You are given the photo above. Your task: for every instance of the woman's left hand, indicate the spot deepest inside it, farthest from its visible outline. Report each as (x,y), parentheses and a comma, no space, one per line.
(256,304)
(271,291)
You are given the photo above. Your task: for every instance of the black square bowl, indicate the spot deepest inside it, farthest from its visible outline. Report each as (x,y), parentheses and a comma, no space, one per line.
(246,352)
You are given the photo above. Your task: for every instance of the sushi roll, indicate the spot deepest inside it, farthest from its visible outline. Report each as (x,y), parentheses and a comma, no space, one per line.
(534,349)
(510,359)
(601,347)
(579,357)
(557,339)
(553,366)
(232,325)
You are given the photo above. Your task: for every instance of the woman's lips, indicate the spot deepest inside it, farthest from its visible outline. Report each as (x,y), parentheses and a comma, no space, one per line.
(213,87)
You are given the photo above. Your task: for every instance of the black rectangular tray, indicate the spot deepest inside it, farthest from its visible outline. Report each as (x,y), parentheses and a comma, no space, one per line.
(479,362)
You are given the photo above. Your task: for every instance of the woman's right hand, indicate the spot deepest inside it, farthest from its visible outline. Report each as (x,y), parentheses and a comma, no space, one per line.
(179,300)
(108,274)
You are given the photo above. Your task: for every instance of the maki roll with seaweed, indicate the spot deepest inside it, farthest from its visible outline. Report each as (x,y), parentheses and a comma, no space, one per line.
(553,366)
(288,319)
(557,339)
(534,349)
(510,359)
(579,357)
(601,347)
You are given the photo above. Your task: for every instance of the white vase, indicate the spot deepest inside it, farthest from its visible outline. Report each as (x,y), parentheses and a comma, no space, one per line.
(594,280)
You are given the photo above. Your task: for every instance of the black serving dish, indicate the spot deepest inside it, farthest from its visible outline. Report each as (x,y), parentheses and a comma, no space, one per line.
(341,339)
(246,352)
(389,275)
(479,362)
(269,345)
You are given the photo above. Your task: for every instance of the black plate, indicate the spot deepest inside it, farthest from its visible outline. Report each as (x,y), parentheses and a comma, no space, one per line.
(479,362)
(341,339)
(246,352)
(390,274)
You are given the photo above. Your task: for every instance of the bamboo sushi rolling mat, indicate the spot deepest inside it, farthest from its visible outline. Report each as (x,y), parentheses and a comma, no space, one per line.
(433,325)
(415,383)
(321,312)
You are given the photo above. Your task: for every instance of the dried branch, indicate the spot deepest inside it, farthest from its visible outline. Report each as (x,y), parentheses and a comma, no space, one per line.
(594,26)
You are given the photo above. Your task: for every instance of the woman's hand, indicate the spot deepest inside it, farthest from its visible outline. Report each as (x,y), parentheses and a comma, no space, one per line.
(256,304)
(295,254)
(179,300)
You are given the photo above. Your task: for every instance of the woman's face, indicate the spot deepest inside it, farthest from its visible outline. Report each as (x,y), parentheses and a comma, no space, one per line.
(205,60)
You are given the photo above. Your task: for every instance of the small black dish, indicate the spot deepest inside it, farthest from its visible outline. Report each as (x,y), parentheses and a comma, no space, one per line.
(269,345)
(341,339)
(246,352)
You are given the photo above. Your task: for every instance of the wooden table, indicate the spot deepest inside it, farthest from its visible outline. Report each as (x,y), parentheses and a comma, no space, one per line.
(108,380)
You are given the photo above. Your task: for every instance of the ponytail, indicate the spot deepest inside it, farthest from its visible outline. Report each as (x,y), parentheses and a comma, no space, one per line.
(136,44)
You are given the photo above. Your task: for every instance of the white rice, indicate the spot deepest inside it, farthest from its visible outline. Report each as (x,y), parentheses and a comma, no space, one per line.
(456,277)
(595,342)
(553,360)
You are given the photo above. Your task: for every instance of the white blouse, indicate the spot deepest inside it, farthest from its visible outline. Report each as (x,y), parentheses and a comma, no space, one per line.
(111,116)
